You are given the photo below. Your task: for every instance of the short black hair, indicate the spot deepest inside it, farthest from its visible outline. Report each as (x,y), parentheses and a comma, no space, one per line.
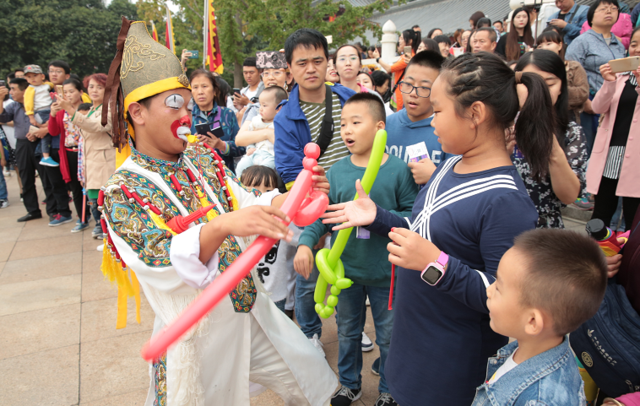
(279,93)
(427,59)
(594,6)
(493,36)
(75,82)
(308,38)
(415,26)
(566,276)
(379,77)
(250,61)
(84,107)
(376,107)
(60,64)
(499,21)
(484,22)
(18,70)
(257,175)
(442,39)
(21,82)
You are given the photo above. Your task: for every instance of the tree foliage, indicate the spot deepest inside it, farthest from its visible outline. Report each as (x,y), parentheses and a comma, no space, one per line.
(247,26)
(81,32)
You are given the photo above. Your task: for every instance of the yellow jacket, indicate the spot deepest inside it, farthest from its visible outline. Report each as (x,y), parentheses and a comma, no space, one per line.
(30,94)
(29,98)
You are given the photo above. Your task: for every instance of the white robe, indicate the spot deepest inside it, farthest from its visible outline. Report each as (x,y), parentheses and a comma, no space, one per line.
(211,364)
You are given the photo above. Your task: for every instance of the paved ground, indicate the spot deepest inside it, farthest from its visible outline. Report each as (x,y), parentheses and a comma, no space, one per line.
(58,342)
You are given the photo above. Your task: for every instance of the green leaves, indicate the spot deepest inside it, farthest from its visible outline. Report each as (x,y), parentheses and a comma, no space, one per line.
(81,32)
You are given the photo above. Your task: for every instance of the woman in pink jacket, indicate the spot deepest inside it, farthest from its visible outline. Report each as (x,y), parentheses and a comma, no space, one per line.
(615,159)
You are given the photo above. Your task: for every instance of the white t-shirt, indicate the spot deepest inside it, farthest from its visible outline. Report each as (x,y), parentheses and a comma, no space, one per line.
(249,93)
(42,98)
(276,268)
(257,124)
(508,365)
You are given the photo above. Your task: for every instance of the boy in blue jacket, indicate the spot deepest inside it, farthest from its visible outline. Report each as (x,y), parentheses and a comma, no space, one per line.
(549,283)
(365,259)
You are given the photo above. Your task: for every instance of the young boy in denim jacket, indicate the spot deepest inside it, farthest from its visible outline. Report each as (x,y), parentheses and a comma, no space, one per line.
(547,284)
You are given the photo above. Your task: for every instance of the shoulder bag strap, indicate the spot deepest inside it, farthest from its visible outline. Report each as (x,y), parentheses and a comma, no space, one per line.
(326,130)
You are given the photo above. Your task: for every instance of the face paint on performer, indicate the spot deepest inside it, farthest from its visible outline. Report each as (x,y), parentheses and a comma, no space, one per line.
(181,128)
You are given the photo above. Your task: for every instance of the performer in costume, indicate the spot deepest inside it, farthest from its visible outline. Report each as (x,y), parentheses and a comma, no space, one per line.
(245,338)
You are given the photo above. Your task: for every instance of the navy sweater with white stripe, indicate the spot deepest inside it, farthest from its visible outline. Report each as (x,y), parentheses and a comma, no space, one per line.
(441,335)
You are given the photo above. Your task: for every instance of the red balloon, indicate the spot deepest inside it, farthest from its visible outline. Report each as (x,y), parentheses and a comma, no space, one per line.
(293,207)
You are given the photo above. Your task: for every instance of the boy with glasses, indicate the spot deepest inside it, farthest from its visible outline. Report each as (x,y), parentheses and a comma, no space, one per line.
(410,134)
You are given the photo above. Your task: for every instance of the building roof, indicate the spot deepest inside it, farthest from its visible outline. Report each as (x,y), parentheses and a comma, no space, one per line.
(448,15)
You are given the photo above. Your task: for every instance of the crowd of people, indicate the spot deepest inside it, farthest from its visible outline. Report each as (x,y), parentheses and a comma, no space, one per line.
(458,246)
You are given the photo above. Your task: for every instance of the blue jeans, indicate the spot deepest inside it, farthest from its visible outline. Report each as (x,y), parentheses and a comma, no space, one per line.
(3,187)
(351,316)
(589,123)
(306,315)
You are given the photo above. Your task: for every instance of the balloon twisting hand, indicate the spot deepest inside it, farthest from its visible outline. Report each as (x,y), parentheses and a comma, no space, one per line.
(328,261)
(303,204)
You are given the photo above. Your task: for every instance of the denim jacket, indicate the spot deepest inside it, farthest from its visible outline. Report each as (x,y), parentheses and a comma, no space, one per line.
(577,15)
(550,378)
(229,125)
(592,51)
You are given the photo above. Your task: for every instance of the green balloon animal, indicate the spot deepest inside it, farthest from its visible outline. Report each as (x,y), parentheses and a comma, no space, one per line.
(328,260)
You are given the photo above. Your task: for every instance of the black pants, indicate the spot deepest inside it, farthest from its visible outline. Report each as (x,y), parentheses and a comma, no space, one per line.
(606,203)
(76,187)
(59,200)
(27,166)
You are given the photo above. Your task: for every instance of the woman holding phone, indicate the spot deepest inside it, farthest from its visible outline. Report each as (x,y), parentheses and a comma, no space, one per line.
(614,160)
(221,121)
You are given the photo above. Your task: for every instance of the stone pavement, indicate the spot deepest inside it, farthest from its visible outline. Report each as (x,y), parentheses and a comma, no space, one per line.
(58,342)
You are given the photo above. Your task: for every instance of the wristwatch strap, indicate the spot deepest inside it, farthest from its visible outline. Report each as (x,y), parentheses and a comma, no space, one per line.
(443,259)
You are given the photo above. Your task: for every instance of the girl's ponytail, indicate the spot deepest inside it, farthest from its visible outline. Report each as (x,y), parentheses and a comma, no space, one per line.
(485,77)
(535,125)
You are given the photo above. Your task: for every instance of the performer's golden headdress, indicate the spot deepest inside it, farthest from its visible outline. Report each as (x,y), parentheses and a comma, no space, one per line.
(141,68)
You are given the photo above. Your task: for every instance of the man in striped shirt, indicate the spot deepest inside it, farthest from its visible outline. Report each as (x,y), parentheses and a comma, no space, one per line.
(298,123)
(300,119)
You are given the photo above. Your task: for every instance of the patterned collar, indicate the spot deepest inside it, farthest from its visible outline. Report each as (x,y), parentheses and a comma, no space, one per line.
(153,164)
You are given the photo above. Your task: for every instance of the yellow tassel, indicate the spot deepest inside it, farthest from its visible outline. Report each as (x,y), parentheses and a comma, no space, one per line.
(136,294)
(234,201)
(121,321)
(160,222)
(108,264)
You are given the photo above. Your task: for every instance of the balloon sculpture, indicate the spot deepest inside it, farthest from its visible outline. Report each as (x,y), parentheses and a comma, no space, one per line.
(303,205)
(328,261)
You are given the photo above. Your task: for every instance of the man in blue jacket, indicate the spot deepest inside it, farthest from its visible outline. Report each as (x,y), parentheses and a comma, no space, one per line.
(569,19)
(301,120)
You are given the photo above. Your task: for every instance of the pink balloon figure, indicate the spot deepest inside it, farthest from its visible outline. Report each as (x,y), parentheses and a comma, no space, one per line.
(303,205)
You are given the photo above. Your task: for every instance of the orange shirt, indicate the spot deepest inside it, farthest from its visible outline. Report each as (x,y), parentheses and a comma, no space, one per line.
(398,68)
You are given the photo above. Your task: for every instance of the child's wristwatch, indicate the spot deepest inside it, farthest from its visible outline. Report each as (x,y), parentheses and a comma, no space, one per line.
(434,272)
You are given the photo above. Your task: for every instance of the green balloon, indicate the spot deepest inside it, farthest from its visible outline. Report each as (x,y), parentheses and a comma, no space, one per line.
(329,264)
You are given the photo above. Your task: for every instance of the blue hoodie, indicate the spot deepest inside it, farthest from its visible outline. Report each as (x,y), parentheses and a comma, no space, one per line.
(293,132)
(402,132)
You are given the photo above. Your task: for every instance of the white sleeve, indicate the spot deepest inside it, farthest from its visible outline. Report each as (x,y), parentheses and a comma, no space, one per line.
(246,198)
(185,253)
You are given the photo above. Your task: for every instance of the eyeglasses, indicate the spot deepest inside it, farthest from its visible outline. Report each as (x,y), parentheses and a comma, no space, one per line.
(407,88)
(605,9)
(275,74)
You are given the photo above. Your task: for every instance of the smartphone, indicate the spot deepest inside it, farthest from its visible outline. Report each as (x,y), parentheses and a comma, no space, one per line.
(194,54)
(407,50)
(2,83)
(625,64)
(235,90)
(218,132)
(60,91)
(203,129)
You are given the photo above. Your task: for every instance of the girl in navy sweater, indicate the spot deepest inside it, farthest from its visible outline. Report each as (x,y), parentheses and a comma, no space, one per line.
(465,219)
